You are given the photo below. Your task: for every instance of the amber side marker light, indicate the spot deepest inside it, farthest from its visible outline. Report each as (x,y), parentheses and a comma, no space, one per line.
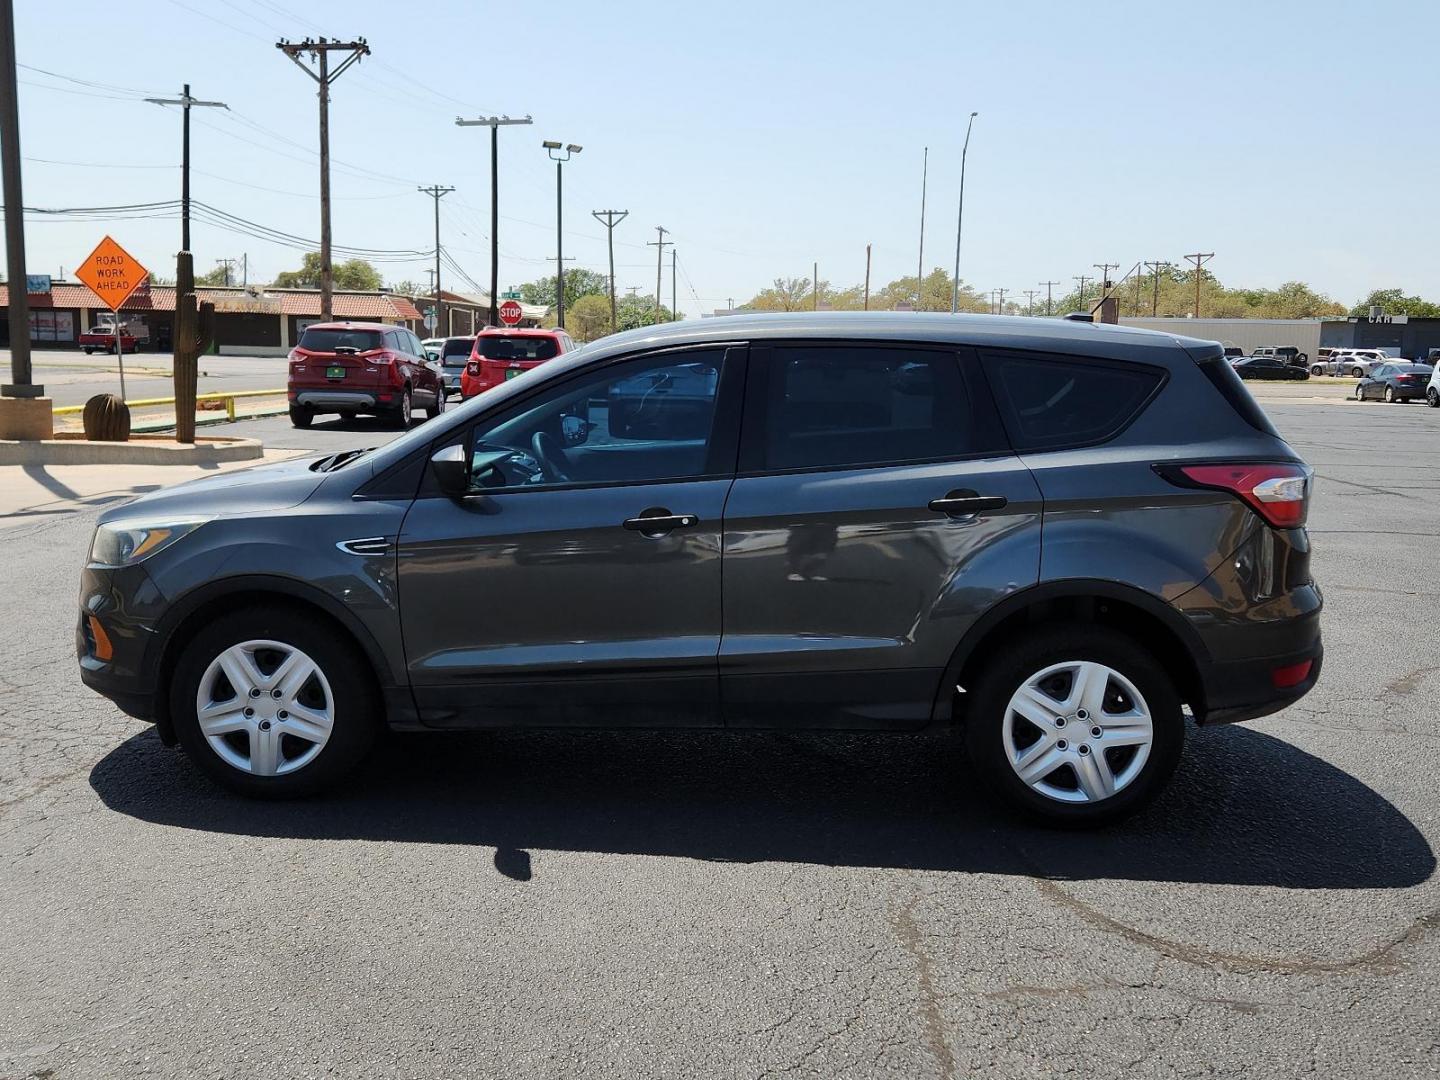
(103,649)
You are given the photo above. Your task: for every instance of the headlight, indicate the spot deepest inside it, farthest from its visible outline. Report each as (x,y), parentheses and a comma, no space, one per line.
(123,543)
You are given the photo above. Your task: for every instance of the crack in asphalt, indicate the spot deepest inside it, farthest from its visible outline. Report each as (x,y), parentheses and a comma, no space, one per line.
(908,931)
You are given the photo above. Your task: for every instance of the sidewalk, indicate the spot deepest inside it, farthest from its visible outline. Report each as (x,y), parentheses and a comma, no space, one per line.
(35,492)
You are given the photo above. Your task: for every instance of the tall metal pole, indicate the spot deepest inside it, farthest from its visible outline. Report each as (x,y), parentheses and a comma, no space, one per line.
(321,48)
(920,262)
(494,123)
(867,277)
(815,287)
(1048,286)
(960,218)
(674,291)
(20,385)
(559,247)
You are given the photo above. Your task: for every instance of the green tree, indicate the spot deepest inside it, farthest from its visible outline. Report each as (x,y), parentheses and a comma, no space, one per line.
(1395,302)
(352,274)
(406,288)
(588,317)
(213,277)
(578,282)
(633,311)
(785,294)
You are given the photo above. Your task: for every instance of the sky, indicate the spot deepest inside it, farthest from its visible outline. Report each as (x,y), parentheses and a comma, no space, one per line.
(1295,140)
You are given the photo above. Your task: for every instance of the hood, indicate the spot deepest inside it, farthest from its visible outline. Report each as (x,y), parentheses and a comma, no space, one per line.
(258,489)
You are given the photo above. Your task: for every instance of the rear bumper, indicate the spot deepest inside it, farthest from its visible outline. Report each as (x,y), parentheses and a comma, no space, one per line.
(1262,659)
(335,399)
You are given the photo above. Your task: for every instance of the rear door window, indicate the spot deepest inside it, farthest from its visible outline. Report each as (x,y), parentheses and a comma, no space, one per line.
(1050,401)
(832,406)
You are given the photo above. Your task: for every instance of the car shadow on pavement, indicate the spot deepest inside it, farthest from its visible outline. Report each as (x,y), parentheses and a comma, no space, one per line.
(1244,808)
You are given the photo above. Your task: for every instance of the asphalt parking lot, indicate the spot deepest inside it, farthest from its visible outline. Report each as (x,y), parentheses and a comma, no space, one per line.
(638,905)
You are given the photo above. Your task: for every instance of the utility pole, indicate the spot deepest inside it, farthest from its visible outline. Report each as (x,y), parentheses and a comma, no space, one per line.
(436,192)
(1048,286)
(659,246)
(674,291)
(1083,280)
(815,287)
(1156,267)
(244,269)
(611,218)
(20,385)
(319,50)
(185,101)
(1000,308)
(494,123)
(553,150)
(920,263)
(867,277)
(226,264)
(430,270)
(1030,295)
(1105,269)
(1200,258)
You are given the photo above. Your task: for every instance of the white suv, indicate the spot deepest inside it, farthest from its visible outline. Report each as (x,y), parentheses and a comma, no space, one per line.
(1432,392)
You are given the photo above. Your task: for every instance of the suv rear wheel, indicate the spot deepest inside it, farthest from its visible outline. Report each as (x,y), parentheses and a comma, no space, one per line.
(432,411)
(403,412)
(271,702)
(1077,725)
(300,416)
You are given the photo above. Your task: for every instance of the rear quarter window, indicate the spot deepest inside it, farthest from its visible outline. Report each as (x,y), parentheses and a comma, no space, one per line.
(1049,401)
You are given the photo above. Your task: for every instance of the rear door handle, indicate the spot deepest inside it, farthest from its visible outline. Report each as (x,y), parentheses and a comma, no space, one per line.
(658,522)
(963,502)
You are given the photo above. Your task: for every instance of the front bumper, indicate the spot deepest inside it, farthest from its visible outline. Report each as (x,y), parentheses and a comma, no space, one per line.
(126,606)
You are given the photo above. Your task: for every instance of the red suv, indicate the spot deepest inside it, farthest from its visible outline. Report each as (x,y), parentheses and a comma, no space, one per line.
(501,354)
(351,368)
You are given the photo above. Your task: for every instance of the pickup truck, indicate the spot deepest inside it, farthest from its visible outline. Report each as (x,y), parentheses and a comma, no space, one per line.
(102,339)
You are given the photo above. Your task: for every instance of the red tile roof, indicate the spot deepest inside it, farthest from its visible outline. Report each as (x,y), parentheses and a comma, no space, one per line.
(306,302)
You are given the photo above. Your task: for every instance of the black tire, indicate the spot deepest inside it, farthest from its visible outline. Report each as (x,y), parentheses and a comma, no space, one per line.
(1358,373)
(356,713)
(89,352)
(438,409)
(1317,370)
(403,412)
(1006,669)
(1432,398)
(1389,395)
(346,416)
(1359,392)
(300,416)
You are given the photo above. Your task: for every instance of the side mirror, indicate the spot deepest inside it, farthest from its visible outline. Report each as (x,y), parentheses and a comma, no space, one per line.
(451,470)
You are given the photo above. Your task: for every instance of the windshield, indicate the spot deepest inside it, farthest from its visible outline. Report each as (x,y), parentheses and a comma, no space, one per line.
(517,347)
(456,351)
(314,340)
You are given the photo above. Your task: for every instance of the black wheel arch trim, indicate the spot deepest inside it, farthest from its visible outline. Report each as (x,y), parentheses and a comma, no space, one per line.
(248,586)
(1070,589)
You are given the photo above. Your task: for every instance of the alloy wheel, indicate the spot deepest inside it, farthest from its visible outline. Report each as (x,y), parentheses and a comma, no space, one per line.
(265,707)
(1078,732)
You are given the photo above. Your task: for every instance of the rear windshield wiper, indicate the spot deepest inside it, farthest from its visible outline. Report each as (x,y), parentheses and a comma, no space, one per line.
(345,350)
(335,461)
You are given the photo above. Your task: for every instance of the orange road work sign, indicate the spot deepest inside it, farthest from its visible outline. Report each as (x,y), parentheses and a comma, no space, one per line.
(112,273)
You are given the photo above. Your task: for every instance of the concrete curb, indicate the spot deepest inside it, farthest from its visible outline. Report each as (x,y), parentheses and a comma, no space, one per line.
(140,450)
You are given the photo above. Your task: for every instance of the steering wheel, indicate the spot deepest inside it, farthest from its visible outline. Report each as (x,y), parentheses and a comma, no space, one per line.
(548,453)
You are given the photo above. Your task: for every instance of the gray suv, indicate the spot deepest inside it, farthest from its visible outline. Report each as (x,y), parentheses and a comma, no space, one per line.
(1052,536)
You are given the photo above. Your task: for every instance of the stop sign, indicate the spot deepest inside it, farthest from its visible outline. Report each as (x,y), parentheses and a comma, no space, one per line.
(511,313)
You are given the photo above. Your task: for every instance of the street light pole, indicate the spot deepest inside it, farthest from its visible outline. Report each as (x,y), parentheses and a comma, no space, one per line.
(494,123)
(553,148)
(960,218)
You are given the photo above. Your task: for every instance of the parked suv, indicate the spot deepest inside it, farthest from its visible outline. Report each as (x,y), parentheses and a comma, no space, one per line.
(1051,535)
(501,354)
(1288,354)
(352,368)
(454,355)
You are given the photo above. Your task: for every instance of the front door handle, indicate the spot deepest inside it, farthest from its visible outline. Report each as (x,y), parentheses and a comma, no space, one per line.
(658,521)
(963,502)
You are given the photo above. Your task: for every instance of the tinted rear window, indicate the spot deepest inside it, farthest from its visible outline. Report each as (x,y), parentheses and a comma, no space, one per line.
(836,406)
(1051,401)
(1225,379)
(517,347)
(456,351)
(330,340)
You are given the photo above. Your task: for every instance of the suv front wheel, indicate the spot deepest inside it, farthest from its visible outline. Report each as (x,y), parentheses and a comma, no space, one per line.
(272,702)
(1079,726)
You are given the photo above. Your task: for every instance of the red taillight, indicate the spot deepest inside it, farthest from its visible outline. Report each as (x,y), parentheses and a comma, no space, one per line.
(1278,493)
(472,368)
(1283,678)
